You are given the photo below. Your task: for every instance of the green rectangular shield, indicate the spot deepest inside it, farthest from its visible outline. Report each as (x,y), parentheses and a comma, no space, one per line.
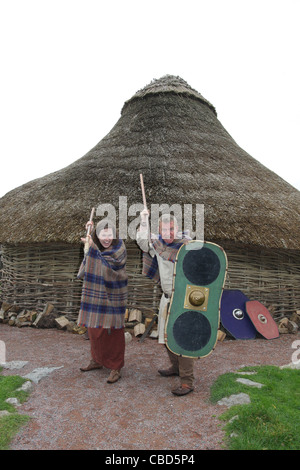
(194,313)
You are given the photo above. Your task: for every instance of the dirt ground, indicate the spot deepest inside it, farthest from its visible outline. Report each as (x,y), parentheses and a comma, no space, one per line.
(75,410)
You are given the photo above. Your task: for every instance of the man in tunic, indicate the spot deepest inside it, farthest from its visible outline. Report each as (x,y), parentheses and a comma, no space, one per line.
(159,254)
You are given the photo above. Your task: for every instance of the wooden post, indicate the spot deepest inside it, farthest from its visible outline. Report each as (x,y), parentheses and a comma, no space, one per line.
(143,191)
(87,245)
(145,204)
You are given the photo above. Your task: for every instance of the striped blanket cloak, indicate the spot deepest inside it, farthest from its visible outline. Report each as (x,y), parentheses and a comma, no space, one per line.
(168,251)
(104,290)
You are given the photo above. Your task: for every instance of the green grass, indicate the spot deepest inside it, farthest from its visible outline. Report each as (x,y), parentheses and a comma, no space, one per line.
(272,420)
(10,424)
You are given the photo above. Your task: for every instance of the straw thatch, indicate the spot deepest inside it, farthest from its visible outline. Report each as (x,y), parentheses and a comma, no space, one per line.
(171,134)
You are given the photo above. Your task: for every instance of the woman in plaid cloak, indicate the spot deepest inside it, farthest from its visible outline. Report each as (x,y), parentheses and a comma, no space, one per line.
(103,299)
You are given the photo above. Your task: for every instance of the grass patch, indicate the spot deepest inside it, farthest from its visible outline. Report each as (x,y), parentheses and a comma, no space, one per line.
(272,420)
(10,424)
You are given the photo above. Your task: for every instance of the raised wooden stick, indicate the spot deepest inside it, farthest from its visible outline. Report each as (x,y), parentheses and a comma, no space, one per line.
(145,203)
(87,245)
(143,191)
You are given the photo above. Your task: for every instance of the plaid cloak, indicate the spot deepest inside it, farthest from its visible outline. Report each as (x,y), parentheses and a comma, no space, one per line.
(104,290)
(167,251)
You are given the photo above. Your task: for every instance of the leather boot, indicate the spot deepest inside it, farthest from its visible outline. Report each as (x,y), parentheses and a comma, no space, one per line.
(114,376)
(92,365)
(168,372)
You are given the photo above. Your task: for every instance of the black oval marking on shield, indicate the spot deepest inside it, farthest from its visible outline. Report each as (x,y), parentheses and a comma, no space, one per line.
(201,267)
(191,330)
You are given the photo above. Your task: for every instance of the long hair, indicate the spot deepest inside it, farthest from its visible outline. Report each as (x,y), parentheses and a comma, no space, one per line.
(102,225)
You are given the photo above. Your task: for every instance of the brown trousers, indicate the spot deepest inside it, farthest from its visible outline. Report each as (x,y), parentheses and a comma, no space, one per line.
(185,368)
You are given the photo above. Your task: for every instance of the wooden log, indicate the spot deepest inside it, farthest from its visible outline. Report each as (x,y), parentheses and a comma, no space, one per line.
(79,330)
(282,326)
(6,308)
(48,309)
(126,314)
(61,322)
(148,327)
(135,315)
(139,329)
(12,320)
(22,317)
(154,334)
(147,321)
(20,324)
(292,327)
(295,317)
(221,335)
(287,326)
(32,315)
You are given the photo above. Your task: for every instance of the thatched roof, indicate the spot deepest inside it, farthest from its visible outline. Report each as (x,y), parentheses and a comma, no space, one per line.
(171,134)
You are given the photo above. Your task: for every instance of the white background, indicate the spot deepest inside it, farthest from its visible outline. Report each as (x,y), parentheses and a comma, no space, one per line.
(68,66)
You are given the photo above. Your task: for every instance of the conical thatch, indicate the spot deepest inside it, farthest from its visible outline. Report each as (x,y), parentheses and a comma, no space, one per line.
(171,134)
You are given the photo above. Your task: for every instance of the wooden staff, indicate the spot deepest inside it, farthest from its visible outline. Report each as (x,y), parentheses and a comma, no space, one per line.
(87,245)
(145,203)
(143,191)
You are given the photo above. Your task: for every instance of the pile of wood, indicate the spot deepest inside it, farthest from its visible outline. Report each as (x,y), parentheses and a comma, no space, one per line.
(33,275)
(290,325)
(14,315)
(137,323)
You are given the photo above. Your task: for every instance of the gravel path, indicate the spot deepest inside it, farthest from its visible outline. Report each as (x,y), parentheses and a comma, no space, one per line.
(75,410)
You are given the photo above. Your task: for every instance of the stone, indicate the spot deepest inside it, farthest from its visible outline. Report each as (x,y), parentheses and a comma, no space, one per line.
(238,399)
(14,364)
(128,337)
(250,383)
(234,418)
(13,401)
(37,374)
(26,387)
(246,373)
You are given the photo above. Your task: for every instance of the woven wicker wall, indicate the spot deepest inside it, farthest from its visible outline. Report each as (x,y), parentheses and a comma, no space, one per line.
(33,275)
(270,276)
(36,274)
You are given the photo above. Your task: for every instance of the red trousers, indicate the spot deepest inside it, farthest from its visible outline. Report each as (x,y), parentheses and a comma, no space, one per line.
(108,347)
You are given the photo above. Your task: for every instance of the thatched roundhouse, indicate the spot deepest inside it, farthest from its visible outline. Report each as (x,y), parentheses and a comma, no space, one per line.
(171,134)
